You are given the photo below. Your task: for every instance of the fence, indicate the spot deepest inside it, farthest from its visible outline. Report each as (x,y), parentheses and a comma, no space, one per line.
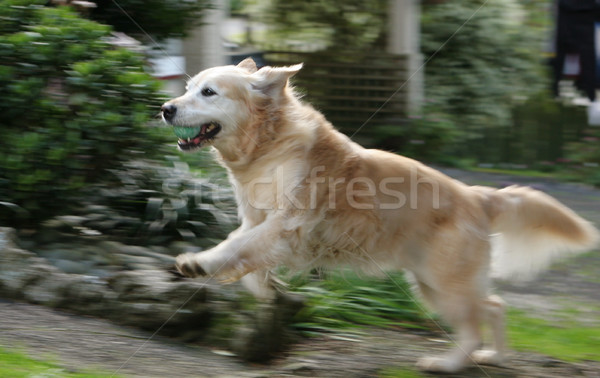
(364,92)
(355,91)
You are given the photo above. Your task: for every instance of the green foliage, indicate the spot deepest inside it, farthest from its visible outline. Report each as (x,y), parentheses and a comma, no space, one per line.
(584,156)
(540,129)
(482,64)
(328,24)
(153,204)
(344,301)
(425,137)
(72,105)
(542,126)
(399,373)
(159,18)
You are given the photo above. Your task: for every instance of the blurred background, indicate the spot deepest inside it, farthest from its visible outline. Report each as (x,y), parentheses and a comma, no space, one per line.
(87,170)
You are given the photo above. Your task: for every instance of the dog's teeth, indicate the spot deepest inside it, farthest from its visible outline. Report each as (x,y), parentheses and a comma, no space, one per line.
(210,127)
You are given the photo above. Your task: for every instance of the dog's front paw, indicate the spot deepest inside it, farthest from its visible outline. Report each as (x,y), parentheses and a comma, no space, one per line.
(188,265)
(438,365)
(487,357)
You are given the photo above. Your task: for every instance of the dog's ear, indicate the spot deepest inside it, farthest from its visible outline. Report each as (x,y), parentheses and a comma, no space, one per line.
(272,80)
(248,64)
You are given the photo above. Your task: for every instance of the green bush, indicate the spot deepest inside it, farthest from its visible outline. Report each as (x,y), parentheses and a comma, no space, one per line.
(583,157)
(482,61)
(151,203)
(425,137)
(329,24)
(72,106)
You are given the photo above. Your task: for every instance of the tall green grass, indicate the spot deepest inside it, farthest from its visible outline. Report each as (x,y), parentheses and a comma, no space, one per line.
(344,301)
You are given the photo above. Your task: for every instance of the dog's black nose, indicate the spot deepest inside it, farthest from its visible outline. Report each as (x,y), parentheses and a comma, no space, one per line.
(168,112)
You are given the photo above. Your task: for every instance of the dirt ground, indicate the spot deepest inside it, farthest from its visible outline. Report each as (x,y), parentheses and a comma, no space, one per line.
(78,343)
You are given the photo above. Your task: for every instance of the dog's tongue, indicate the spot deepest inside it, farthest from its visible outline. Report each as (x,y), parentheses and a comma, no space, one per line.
(186,132)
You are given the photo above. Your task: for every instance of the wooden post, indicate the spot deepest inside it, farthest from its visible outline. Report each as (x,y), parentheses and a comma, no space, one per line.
(203,48)
(404,26)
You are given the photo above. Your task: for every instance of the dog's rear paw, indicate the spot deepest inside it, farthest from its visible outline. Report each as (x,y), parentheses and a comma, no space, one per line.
(438,365)
(487,357)
(187,265)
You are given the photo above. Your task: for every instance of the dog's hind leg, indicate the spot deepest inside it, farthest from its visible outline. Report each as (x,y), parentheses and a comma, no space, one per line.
(453,279)
(493,307)
(463,313)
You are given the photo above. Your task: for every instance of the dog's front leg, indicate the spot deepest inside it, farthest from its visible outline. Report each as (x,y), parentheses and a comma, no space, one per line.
(244,251)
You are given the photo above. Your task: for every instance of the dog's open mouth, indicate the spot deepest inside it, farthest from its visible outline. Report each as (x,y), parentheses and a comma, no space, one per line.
(195,137)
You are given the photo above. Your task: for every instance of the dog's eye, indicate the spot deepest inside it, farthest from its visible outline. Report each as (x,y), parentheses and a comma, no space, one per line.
(207,92)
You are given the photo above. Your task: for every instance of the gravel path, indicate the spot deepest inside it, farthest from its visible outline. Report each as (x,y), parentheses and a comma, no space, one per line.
(79,343)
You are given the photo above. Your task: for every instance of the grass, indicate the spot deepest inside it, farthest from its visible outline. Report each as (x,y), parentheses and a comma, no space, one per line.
(522,172)
(564,339)
(562,174)
(346,302)
(16,365)
(399,373)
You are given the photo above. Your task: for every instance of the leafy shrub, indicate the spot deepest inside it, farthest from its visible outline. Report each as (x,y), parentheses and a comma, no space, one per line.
(484,60)
(72,106)
(155,204)
(584,157)
(483,66)
(542,128)
(331,24)
(424,137)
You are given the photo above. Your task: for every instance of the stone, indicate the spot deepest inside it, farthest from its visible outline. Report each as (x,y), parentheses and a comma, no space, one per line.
(18,269)
(110,246)
(179,247)
(135,250)
(143,285)
(88,295)
(192,296)
(71,220)
(132,261)
(8,238)
(103,225)
(160,250)
(147,315)
(89,279)
(74,267)
(49,290)
(100,259)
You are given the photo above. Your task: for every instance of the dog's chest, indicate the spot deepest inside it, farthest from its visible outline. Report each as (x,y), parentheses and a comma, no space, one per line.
(271,188)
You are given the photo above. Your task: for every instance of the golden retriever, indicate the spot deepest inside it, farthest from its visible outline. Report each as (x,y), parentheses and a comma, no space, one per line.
(308,196)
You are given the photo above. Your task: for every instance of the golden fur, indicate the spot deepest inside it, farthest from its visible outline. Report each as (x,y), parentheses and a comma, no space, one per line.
(309,196)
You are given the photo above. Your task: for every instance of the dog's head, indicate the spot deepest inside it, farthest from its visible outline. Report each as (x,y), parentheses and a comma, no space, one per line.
(221,104)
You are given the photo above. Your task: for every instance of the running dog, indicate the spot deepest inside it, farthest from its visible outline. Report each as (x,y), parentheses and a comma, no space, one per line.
(308,196)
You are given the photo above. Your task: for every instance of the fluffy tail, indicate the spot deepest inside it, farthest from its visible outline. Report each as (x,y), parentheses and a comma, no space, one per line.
(532,230)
